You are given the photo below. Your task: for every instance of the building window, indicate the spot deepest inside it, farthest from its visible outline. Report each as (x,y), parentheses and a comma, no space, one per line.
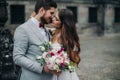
(92,15)
(17,14)
(117,14)
(74,10)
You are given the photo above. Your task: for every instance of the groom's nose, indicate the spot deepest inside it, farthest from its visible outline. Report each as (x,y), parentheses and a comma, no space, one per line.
(52,17)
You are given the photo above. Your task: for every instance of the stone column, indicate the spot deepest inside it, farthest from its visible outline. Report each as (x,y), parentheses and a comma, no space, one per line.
(101,19)
(83,19)
(109,19)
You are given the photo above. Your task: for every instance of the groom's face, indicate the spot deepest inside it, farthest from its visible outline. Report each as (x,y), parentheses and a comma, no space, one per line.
(47,17)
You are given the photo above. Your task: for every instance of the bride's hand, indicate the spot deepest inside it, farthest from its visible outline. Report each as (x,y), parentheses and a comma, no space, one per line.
(45,68)
(55,72)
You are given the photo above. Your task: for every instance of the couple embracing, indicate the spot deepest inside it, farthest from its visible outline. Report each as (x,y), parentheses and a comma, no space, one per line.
(32,33)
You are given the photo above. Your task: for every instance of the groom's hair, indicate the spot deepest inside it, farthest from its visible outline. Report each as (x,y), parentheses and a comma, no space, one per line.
(46,4)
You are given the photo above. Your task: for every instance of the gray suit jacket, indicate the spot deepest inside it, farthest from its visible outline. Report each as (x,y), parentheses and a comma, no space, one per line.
(27,37)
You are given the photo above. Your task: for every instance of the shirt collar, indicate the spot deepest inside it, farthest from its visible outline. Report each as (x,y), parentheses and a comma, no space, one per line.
(35,21)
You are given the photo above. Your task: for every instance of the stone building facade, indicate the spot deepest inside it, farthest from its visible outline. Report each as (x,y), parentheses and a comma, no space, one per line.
(92,18)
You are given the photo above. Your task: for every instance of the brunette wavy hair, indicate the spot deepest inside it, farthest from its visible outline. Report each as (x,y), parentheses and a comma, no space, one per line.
(69,37)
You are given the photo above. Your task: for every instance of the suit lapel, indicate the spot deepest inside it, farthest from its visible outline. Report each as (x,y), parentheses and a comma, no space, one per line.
(47,34)
(37,32)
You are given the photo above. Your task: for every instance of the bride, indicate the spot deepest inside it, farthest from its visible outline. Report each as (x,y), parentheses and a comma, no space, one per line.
(66,36)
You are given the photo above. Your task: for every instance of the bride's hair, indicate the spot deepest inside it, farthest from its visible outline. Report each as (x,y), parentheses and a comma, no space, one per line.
(69,37)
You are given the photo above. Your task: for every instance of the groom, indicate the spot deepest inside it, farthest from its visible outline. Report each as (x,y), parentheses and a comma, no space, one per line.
(28,37)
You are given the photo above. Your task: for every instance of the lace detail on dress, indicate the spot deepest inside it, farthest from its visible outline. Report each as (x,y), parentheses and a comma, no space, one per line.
(56,45)
(66,75)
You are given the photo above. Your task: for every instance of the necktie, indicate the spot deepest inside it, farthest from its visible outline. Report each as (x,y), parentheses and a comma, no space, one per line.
(41,25)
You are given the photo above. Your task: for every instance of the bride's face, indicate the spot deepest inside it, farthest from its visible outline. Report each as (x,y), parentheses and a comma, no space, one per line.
(56,23)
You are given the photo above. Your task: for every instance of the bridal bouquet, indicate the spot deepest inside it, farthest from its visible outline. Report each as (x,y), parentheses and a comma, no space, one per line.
(55,57)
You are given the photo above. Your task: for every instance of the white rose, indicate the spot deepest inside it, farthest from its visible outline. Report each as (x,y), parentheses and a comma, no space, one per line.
(65,55)
(42,48)
(52,59)
(71,68)
(39,57)
(44,55)
(67,61)
(50,43)
(55,67)
(59,60)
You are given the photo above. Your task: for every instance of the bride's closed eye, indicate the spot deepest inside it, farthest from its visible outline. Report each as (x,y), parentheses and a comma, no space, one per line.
(56,18)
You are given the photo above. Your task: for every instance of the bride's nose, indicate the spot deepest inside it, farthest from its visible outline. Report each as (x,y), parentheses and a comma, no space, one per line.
(53,18)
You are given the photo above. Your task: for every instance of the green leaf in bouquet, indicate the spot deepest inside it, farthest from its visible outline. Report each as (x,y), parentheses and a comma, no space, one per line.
(40,60)
(72,63)
(56,67)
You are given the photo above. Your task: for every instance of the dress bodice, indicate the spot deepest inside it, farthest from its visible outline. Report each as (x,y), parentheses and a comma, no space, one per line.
(56,45)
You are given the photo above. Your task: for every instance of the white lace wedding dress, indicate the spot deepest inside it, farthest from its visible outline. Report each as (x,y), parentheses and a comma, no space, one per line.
(64,75)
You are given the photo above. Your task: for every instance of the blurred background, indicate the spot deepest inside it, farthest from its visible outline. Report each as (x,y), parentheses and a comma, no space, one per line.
(98,25)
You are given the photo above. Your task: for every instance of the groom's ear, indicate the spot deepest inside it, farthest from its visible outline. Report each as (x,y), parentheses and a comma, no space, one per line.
(41,11)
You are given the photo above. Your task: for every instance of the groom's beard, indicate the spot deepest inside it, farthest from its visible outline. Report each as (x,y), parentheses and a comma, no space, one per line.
(50,20)
(43,20)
